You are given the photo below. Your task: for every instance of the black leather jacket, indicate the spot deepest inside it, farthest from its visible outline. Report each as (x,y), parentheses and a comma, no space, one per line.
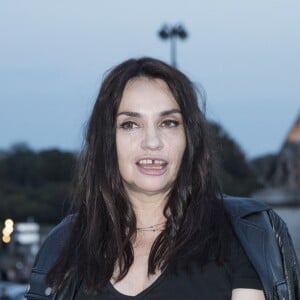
(261,232)
(267,242)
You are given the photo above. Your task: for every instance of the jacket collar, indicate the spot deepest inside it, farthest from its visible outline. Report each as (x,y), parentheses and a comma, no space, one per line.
(239,207)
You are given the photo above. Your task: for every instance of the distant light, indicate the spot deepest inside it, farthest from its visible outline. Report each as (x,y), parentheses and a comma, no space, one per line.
(7,230)
(27,238)
(9,223)
(27,227)
(6,239)
(24,233)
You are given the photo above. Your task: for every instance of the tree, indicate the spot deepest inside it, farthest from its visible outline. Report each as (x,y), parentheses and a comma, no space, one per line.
(35,184)
(236,174)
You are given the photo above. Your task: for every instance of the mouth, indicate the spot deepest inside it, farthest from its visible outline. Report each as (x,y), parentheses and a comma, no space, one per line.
(152,164)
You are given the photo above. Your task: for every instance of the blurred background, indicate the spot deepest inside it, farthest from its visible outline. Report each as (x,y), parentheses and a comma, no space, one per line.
(244,56)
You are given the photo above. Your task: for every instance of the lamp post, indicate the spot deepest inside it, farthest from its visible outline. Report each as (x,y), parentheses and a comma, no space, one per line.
(173,32)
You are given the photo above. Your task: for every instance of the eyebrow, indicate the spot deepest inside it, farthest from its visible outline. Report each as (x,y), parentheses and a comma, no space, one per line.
(163,113)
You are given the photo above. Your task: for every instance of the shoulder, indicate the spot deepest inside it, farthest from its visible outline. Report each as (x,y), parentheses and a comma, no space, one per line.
(239,207)
(53,244)
(265,239)
(46,258)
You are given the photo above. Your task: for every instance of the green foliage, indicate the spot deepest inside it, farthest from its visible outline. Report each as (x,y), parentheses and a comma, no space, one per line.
(35,184)
(46,204)
(23,167)
(19,166)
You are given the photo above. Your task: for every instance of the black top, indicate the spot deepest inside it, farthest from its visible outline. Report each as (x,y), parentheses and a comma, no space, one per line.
(211,282)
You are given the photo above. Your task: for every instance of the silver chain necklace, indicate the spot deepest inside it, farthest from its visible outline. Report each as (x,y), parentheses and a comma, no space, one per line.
(153,228)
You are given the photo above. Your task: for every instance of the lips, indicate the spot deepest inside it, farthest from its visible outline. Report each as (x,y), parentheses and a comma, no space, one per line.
(152,166)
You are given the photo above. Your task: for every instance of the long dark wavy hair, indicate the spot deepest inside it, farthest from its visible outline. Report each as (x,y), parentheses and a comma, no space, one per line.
(105,223)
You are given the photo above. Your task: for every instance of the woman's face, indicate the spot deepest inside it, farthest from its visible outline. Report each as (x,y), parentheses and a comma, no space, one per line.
(150,137)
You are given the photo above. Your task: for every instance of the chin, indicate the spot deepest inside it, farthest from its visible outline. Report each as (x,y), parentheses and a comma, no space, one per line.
(154,189)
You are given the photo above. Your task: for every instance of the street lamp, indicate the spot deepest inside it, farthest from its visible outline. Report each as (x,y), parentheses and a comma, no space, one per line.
(172,32)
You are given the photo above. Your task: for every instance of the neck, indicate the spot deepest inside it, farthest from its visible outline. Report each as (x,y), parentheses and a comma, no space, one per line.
(148,209)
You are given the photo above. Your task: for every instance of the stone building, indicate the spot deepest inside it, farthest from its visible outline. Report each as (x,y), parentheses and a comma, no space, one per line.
(280,173)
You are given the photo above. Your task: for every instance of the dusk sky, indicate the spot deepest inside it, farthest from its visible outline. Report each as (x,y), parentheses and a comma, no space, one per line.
(53,55)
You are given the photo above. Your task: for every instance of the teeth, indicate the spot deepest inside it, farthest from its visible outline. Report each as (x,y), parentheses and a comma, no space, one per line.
(151,162)
(145,162)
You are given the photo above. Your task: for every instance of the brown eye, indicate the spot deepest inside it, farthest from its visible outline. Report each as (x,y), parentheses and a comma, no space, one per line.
(128,125)
(169,123)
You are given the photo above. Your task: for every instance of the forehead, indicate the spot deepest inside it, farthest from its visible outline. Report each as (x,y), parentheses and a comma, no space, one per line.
(144,95)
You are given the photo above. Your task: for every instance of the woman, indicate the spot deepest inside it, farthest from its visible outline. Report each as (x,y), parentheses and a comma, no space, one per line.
(150,220)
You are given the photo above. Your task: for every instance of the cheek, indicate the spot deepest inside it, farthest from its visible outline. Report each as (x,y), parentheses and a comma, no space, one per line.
(121,144)
(124,144)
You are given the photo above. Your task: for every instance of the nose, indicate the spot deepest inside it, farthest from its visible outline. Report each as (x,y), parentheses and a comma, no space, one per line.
(152,139)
